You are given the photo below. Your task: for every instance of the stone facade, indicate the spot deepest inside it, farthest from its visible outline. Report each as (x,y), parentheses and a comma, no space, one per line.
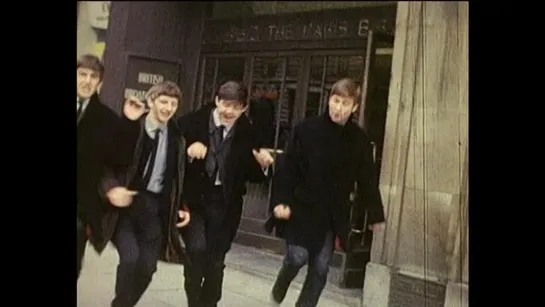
(89,39)
(424,167)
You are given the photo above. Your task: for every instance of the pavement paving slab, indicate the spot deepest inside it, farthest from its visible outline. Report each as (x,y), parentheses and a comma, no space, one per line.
(243,286)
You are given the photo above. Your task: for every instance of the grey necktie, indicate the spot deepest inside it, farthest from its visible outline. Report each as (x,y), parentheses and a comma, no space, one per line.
(212,162)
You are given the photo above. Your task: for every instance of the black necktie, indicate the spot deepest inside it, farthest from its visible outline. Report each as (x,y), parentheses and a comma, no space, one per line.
(80,108)
(212,165)
(151,163)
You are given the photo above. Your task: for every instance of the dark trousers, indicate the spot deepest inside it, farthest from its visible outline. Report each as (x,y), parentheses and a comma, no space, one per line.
(318,268)
(81,243)
(138,240)
(206,245)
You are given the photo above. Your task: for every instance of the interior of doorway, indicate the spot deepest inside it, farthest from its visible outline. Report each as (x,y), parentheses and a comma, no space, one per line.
(297,84)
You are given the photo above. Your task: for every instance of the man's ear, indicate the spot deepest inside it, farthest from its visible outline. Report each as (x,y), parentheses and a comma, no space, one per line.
(99,87)
(355,108)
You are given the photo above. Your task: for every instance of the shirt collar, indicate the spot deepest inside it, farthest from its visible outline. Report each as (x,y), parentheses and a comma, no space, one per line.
(84,102)
(217,121)
(151,126)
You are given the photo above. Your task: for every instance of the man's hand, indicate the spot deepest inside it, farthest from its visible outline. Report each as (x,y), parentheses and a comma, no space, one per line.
(120,196)
(376,227)
(197,150)
(282,212)
(263,157)
(134,108)
(185,217)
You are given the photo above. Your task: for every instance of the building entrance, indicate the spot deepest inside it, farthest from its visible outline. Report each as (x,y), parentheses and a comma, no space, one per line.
(289,81)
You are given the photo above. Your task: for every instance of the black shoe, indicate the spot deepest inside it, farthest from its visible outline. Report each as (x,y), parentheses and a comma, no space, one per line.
(278,295)
(195,303)
(273,301)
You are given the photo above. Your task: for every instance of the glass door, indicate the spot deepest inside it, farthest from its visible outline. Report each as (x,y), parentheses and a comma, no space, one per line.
(214,72)
(274,83)
(325,70)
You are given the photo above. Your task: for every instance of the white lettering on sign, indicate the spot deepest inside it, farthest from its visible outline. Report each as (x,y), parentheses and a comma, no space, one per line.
(363,27)
(146,78)
(130,92)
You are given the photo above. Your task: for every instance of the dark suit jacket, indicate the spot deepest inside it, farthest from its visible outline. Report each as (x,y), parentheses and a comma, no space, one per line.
(129,151)
(240,165)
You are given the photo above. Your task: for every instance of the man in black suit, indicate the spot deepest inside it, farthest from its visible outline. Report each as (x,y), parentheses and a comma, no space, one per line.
(147,188)
(96,124)
(223,155)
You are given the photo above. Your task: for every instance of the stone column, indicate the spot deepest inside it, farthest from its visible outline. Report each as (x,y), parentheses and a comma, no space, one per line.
(86,35)
(423,181)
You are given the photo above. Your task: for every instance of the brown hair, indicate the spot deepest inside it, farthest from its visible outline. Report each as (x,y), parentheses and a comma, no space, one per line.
(166,88)
(348,88)
(232,90)
(92,62)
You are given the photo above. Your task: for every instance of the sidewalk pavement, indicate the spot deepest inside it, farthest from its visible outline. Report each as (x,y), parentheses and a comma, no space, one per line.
(248,280)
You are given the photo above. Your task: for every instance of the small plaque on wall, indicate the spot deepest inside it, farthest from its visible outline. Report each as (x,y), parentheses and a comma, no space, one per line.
(143,73)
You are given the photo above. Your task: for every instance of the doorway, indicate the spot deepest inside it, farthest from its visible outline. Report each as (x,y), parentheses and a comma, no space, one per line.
(284,88)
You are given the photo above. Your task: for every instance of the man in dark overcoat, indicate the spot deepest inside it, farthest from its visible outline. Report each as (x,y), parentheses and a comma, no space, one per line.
(146,191)
(310,203)
(96,127)
(223,155)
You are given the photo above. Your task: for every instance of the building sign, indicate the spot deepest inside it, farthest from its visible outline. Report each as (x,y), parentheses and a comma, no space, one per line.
(99,13)
(315,26)
(143,73)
